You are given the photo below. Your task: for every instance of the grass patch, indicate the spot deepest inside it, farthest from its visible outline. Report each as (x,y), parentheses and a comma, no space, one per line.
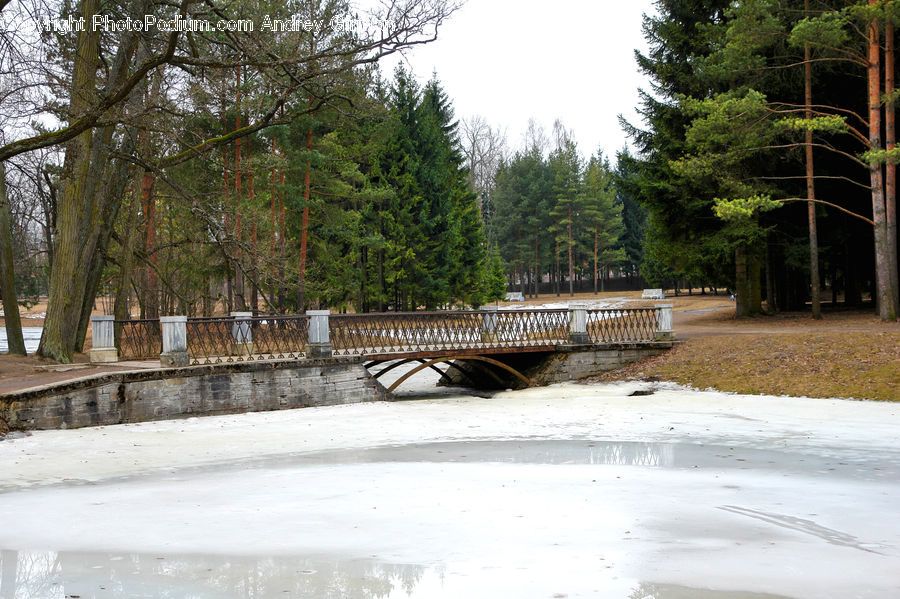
(814,364)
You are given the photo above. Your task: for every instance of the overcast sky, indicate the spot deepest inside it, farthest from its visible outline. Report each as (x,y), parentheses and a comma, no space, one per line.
(510,60)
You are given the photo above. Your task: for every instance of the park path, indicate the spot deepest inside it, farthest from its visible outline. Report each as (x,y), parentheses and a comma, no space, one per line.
(717,318)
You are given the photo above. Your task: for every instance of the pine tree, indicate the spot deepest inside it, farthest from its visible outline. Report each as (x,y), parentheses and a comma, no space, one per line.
(603,215)
(565,164)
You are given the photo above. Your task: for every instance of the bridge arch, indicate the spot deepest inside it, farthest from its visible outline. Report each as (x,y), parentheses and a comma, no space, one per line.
(397,363)
(464,358)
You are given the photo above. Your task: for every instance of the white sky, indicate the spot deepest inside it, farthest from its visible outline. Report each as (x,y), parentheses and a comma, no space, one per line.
(510,60)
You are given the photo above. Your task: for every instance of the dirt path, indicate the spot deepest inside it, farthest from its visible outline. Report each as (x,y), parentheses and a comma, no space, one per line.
(717,318)
(18,373)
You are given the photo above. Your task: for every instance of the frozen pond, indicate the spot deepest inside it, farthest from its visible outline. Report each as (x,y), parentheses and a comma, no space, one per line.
(564,491)
(31,336)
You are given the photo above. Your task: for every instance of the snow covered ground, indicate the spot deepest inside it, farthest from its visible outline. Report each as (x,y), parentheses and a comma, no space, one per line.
(563,491)
(31,336)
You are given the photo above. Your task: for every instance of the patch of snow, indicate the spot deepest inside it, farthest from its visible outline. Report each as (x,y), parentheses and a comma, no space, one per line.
(578,490)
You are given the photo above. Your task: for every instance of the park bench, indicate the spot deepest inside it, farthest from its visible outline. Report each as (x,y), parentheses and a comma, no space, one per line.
(515,296)
(653,294)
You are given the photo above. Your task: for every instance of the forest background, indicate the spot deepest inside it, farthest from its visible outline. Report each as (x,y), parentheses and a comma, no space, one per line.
(194,171)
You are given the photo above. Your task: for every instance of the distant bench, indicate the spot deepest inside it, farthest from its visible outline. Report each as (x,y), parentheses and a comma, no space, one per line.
(653,294)
(515,296)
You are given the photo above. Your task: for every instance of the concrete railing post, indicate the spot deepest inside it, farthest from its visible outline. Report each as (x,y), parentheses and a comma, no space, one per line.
(174,341)
(319,342)
(103,344)
(664,331)
(578,333)
(242,334)
(489,324)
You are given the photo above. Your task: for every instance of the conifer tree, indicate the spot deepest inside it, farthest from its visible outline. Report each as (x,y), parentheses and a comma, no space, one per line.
(603,215)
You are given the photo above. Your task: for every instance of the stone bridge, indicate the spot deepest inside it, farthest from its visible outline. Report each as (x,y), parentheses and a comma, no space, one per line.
(247,363)
(496,345)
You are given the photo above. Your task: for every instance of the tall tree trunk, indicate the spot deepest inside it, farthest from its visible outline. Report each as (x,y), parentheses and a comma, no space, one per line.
(814,285)
(571,264)
(536,281)
(884,296)
(304,220)
(151,286)
(596,246)
(754,282)
(238,209)
(105,187)
(123,288)
(110,194)
(226,254)
(890,140)
(522,273)
(65,289)
(15,343)
(254,260)
(272,274)
(282,258)
(558,293)
(522,265)
(771,304)
(742,287)
(87,207)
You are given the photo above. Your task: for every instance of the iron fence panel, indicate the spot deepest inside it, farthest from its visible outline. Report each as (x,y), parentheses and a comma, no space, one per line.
(237,339)
(622,325)
(139,339)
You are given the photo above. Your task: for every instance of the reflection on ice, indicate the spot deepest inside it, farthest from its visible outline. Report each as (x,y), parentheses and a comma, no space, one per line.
(51,575)
(47,575)
(593,452)
(525,451)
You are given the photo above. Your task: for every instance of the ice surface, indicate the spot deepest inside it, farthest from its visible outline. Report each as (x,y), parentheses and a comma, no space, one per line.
(30,335)
(564,491)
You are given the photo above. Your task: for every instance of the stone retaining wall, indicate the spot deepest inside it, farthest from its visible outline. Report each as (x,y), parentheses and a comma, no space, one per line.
(571,363)
(139,396)
(159,394)
(564,363)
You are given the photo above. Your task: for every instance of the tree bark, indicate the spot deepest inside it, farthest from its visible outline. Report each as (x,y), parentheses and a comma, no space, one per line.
(742,287)
(123,288)
(66,290)
(304,222)
(558,292)
(151,282)
(272,274)
(771,304)
(254,253)
(890,140)
(238,208)
(883,296)
(15,343)
(814,284)
(110,193)
(229,280)
(596,244)
(571,264)
(85,213)
(754,283)
(536,280)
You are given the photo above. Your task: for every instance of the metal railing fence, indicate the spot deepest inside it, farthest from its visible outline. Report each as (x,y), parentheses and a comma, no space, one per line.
(247,338)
